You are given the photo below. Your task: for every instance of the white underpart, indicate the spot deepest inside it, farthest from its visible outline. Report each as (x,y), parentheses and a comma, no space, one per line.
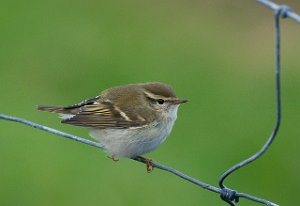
(136,141)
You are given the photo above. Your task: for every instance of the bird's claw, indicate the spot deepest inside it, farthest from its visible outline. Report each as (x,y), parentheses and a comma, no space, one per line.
(149,165)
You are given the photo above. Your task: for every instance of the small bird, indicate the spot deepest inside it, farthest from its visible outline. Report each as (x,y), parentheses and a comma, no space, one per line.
(129,120)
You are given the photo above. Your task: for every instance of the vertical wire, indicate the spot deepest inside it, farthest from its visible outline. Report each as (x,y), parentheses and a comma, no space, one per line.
(279,13)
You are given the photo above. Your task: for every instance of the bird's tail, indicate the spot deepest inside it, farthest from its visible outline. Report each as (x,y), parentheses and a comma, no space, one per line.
(57,109)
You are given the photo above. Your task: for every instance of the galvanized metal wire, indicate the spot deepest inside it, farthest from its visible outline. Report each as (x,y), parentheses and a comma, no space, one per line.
(142,160)
(281,11)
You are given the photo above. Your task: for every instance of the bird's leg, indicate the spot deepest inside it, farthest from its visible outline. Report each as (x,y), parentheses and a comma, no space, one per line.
(113,158)
(148,162)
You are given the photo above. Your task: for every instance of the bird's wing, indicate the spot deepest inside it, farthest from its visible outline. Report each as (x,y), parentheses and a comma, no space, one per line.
(104,115)
(99,113)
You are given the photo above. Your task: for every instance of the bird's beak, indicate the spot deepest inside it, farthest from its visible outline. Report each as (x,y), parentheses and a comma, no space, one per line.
(179,101)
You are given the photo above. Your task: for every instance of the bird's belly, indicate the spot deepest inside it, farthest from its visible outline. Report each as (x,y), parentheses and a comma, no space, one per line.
(132,142)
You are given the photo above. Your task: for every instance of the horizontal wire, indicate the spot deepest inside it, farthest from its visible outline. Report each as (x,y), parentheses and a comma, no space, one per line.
(154,164)
(276,7)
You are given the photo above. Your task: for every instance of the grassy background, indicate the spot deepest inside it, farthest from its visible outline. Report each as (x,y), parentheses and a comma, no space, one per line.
(218,54)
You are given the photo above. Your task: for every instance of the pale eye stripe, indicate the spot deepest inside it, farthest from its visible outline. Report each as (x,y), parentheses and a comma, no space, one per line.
(156,97)
(150,95)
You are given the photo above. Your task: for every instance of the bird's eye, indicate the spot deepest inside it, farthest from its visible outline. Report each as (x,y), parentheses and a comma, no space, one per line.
(160,101)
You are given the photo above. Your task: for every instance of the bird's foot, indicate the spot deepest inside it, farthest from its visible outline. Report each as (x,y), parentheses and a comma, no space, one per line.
(148,162)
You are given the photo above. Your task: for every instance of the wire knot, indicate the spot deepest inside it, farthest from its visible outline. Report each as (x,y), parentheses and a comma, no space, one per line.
(283,10)
(229,195)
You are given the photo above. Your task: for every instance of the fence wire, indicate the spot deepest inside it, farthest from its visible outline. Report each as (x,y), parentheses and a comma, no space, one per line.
(281,11)
(230,196)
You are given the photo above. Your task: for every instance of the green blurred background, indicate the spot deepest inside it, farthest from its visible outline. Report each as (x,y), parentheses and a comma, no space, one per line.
(218,54)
